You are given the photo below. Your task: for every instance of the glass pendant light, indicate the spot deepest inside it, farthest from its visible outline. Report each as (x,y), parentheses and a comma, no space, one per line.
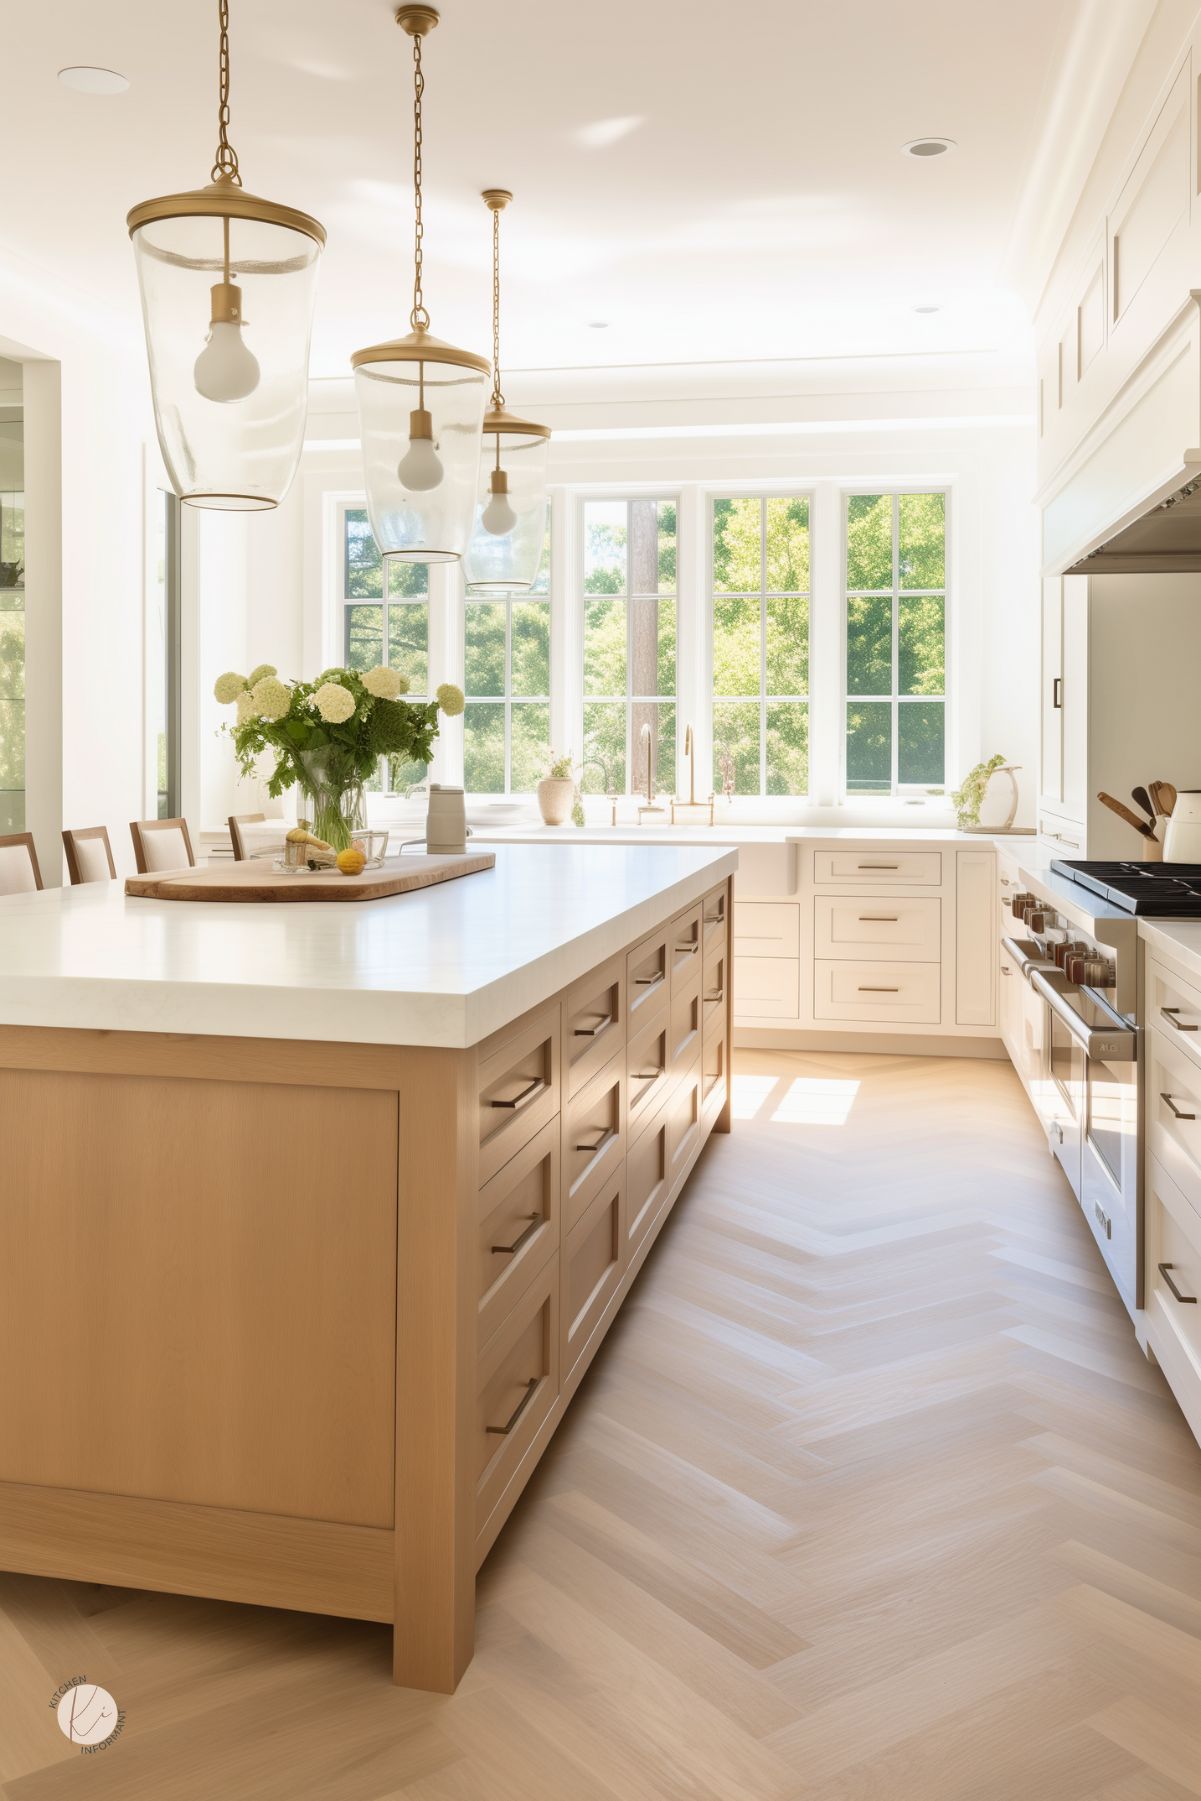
(228,282)
(510,511)
(421,404)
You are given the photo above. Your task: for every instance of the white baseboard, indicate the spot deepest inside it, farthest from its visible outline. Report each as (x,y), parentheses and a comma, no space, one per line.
(891,1044)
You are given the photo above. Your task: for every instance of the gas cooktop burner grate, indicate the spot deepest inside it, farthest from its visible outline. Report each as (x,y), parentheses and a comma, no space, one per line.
(1172,890)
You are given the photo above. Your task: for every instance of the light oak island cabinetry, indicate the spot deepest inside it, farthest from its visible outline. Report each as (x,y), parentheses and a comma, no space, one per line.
(291,1323)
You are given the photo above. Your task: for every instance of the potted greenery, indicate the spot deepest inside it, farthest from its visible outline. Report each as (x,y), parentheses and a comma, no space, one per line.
(970,795)
(328,735)
(556,791)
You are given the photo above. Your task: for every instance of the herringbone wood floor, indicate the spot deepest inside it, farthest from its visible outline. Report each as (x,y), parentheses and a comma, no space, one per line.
(870,1494)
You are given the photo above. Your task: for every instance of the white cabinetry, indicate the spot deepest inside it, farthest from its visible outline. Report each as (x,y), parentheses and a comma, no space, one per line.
(1063,781)
(1172,1185)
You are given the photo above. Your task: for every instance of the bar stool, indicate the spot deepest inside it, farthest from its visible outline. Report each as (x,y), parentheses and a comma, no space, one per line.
(19,872)
(89,855)
(236,822)
(161,844)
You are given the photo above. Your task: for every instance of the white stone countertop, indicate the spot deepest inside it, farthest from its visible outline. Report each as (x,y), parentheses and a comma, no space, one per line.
(441,966)
(1178,938)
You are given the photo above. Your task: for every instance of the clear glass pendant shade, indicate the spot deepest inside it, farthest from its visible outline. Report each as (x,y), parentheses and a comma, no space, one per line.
(228,284)
(421,410)
(510,512)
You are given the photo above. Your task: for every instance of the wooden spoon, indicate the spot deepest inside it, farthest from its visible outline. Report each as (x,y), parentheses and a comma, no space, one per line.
(1124,812)
(1142,799)
(1164,796)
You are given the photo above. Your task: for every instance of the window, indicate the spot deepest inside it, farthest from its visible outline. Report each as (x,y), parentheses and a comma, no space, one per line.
(399,621)
(506,678)
(162,683)
(629,643)
(760,619)
(895,594)
(12,629)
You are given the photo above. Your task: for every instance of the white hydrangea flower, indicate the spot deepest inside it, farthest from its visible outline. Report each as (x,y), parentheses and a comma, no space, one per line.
(334,702)
(383,682)
(450,699)
(227,687)
(272,698)
(259,671)
(246,707)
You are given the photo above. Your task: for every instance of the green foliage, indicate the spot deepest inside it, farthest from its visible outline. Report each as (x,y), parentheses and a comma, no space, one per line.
(559,766)
(760,645)
(971,791)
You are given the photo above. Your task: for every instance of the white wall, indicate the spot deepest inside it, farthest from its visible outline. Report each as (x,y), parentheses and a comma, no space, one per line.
(84,764)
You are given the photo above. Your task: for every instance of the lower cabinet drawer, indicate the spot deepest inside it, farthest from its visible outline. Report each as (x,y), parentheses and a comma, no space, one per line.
(1174,1113)
(646,1179)
(593,1139)
(685,941)
(714,976)
(683,1040)
(684,1121)
(648,968)
(1172,1287)
(518,1215)
(885,993)
(518,1386)
(647,1069)
(594,1022)
(715,1074)
(897,928)
(923,868)
(1174,1007)
(592,1261)
(766,987)
(518,1088)
(767,929)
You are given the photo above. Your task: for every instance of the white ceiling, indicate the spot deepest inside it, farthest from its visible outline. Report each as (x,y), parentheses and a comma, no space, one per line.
(715,182)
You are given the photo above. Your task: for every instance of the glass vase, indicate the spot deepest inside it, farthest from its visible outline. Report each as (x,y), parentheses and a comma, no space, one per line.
(332,798)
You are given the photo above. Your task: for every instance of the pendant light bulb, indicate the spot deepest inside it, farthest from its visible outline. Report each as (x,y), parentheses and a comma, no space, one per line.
(498,516)
(226,369)
(420,468)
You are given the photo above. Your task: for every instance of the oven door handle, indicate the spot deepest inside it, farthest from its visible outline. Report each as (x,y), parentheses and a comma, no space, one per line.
(1019,950)
(1111,1044)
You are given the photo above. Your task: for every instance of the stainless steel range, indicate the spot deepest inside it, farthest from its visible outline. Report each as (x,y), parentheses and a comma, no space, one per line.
(1078,950)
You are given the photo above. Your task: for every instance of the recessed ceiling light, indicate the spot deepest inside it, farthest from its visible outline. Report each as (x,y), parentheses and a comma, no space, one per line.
(927,309)
(928,146)
(598,325)
(87,80)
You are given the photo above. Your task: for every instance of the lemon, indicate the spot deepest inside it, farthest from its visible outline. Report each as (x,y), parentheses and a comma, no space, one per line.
(352,861)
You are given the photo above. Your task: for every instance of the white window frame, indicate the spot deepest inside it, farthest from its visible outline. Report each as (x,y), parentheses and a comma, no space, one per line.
(898,790)
(348,504)
(507,699)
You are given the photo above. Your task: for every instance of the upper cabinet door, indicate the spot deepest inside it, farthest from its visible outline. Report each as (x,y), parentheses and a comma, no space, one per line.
(1074,712)
(1051,711)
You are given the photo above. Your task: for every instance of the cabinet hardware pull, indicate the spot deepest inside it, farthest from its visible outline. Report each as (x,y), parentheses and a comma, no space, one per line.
(719,996)
(648,1075)
(879,919)
(1186,1300)
(1169,1014)
(877,866)
(1173,1109)
(524,1098)
(594,1031)
(1004,881)
(511,1250)
(687,950)
(1057,691)
(1005,971)
(865,989)
(716,919)
(649,981)
(601,1142)
(527,1397)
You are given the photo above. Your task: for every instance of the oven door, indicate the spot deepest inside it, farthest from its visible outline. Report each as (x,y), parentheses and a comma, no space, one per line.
(1094,1069)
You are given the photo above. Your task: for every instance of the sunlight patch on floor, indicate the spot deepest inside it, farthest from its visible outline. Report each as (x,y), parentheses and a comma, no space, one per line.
(805,1101)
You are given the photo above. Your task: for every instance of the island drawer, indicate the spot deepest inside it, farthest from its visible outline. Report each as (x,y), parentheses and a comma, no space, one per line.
(713,978)
(906,929)
(648,968)
(518,1215)
(714,911)
(592,1263)
(593,1138)
(684,1120)
(646,1179)
(881,992)
(517,1388)
(684,1037)
(594,1022)
(685,942)
(518,1088)
(715,1050)
(923,868)
(1174,1007)
(647,1068)
(1174,1114)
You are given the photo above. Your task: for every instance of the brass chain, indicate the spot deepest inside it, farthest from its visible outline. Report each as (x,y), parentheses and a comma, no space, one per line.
(225,168)
(419,319)
(498,399)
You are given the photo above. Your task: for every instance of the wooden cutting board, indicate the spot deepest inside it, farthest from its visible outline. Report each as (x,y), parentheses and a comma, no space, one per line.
(256,880)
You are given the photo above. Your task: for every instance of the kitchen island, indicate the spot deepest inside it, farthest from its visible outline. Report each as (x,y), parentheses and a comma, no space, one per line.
(312,1218)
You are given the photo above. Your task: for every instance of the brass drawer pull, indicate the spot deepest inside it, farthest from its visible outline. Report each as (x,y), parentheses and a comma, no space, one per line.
(511,1250)
(1173,1109)
(877,866)
(649,1075)
(864,988)
(650,981)
(597,1029)
(716,919)
(1169,1014)
(601,1142)
(879,919)
(687,950)
(527,1397)
(1186,1300)
(524,1098)
(718,997)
